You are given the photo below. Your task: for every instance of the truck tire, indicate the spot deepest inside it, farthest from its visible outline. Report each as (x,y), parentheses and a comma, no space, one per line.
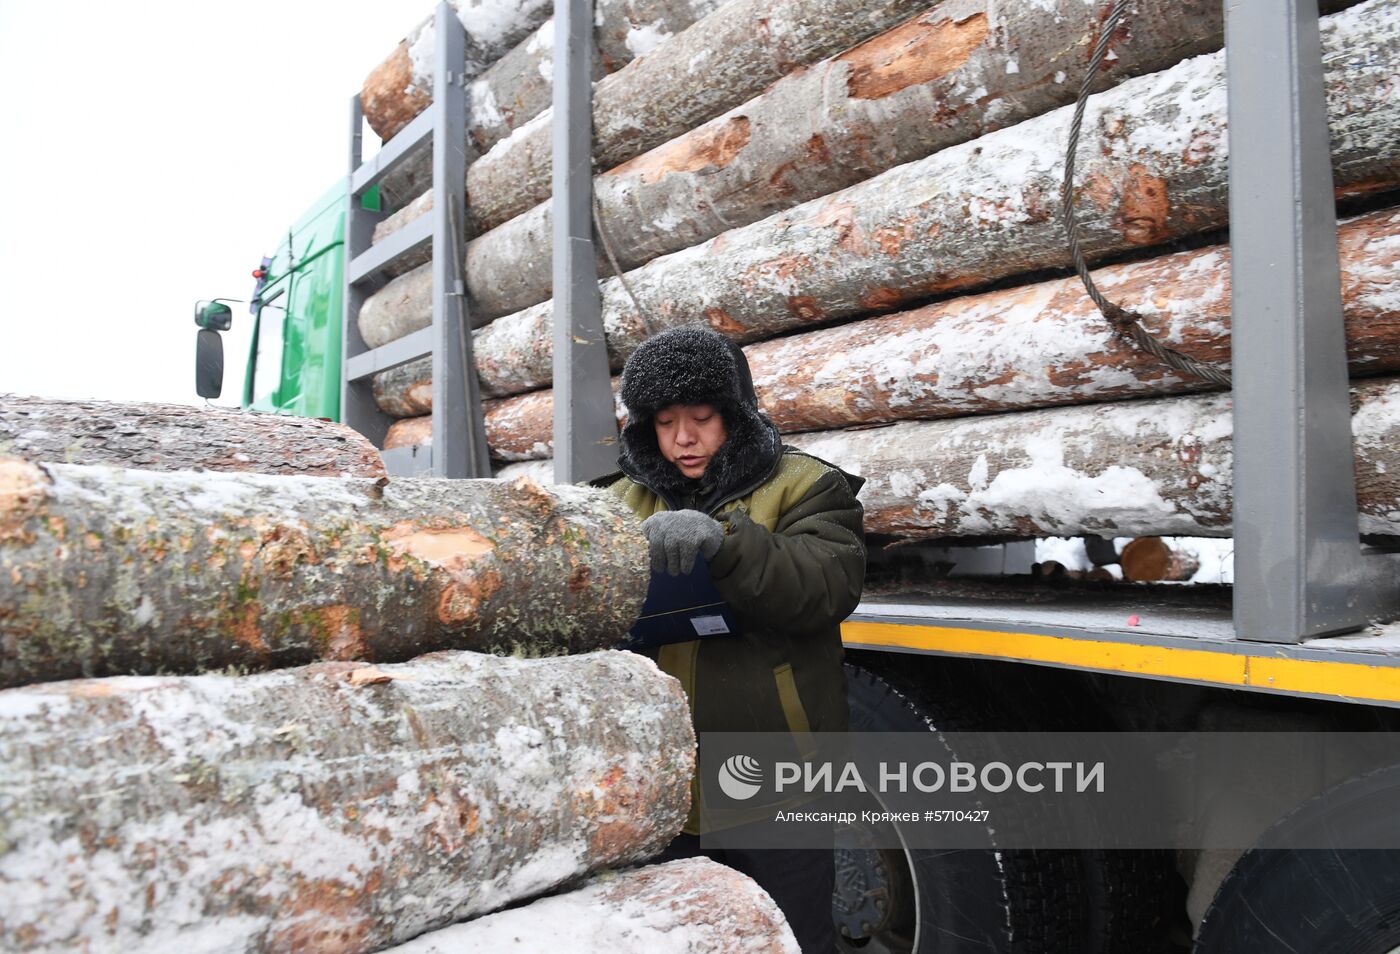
(948,902)
(1340,900)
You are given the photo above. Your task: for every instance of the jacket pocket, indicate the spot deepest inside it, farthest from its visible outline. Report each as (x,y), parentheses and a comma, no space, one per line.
(793,710)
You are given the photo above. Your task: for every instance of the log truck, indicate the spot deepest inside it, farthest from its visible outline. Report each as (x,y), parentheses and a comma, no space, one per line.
(864,193)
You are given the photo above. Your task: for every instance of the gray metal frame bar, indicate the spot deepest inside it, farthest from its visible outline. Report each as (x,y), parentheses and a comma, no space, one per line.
(585,426)
(357,407)
(1298,565)
(401,351)
(379,255)
(459,433)
(394,152)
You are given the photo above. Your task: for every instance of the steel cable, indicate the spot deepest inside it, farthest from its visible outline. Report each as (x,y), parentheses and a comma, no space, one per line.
(1126,324)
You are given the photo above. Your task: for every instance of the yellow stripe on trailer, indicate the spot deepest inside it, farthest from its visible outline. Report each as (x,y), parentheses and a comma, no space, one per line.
(1323,678)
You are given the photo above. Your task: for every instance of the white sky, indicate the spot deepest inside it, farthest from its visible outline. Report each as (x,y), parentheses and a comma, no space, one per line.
(151,153)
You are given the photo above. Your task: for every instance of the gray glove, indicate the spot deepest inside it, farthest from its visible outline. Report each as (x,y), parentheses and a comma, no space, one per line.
(677,535)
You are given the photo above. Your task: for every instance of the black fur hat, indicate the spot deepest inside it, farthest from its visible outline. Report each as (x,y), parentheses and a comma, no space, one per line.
(695,365)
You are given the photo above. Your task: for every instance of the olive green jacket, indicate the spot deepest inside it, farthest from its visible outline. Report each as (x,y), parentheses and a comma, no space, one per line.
(791,568)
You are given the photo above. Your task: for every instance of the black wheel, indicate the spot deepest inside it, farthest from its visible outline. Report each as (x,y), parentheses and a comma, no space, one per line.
(1343,900)
(946,902)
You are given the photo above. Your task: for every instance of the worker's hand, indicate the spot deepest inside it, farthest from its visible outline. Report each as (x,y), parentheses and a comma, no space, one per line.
(677,535)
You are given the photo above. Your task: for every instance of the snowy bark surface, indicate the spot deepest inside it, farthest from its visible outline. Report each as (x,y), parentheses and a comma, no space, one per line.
(695,906)
(1153,168)
(719,62)
(715,64)
(519,86)
(401,86)
(179,437)
(1014,349)
(337,807)
(106,571)
(948,75)
(1158,467)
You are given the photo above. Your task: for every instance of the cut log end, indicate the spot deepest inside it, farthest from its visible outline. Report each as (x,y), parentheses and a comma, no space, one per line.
(389,98)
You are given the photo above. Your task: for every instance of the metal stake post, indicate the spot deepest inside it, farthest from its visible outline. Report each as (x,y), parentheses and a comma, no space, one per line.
(459,441)
(585,428)
(1297,547)
(357,407)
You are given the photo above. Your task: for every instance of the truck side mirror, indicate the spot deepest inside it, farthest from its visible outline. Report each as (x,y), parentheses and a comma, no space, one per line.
(213,316)
(209,363)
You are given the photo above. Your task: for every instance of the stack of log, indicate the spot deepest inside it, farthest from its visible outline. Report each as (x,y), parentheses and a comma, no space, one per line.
(207,739)
(877,226)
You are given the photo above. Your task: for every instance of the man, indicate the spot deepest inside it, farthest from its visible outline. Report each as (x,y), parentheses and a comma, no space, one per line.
(782,534)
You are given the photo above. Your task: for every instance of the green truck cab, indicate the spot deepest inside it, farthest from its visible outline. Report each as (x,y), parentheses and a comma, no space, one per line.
(293,361)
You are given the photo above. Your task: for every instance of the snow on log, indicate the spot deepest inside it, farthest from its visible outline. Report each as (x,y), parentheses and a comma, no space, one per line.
(519,86)
(719,62)
(401,86)
(110,571)
(945,76)
(715,64)
(695,905)
(1034,346)
(181,437)
(1153,168)
(337,807)
(1159,467)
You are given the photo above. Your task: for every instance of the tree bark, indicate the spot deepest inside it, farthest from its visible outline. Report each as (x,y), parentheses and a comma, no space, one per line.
(180,437)
(1014,349)
(517,428)
(401,86)
(743,46)
(337,807)
(409,431)
(943,77)
(1153,168)
(715,64)
(1165,470)
(695,905)
(113,571)
(1149,559)
(519,86)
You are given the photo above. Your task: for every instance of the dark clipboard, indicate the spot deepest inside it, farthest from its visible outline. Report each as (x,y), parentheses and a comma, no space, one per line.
(682,608)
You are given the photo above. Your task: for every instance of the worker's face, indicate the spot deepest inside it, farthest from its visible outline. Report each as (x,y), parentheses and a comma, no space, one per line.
(689,435)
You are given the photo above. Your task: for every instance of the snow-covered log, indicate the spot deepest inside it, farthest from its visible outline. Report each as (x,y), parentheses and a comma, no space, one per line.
(948,75)
(180,437)
(337,807)
(517,428)
(112,571)
(1153,168)
(694,905)
(519,86)
(401,86)
(719,62)
(1158,467)
(1012,349)
(715,64)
